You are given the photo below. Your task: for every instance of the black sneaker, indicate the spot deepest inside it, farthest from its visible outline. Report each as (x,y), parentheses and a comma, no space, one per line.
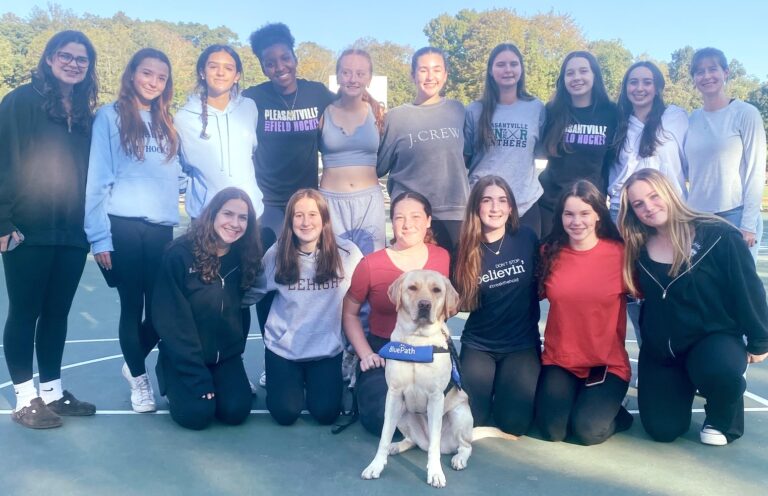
(69,406)
(36,416)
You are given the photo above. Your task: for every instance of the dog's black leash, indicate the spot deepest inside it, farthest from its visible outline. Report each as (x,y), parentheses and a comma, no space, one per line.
(347,418)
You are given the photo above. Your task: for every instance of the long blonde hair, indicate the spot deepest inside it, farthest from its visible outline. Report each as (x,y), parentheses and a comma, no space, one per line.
(680,225)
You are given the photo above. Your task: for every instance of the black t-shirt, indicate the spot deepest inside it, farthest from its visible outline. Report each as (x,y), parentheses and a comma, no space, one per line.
(286,156)
(585,152)
(507,318)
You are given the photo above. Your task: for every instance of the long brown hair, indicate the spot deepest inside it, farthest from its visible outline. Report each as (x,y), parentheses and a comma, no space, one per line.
(490,98)
(558,238)
(133,131)
(204,240)
(376,107)
(560,107)
(470,257)
(680,225)
(202,85)
(328,263)
(84,93)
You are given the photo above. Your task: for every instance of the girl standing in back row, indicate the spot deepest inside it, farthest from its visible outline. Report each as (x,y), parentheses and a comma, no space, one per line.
(45,131)
(422,147)
(579,134)
(502,130)
(725,147)
(132,201)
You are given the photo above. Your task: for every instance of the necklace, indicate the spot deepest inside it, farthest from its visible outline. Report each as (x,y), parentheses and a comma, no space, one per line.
(496,252)
(285,102)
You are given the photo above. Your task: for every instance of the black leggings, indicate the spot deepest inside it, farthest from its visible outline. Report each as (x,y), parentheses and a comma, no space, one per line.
(371,391)
(41,282)
(231,403)
(501,387)
(715,366)
(532,219)
(446,233)
(547,218)
(565,405)
(136,262)
(290,381)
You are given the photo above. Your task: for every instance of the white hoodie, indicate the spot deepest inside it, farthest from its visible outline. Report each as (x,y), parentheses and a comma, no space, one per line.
(225,157)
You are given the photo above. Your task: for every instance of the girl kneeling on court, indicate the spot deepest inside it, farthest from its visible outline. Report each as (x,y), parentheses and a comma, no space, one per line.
(702,297)
(495,275)
(311,270)
(585,367)
(198,294)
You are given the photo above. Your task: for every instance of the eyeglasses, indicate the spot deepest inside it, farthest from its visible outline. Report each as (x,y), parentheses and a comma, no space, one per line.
(67,58)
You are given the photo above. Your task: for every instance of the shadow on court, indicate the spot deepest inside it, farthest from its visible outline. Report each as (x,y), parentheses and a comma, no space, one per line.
(121,453)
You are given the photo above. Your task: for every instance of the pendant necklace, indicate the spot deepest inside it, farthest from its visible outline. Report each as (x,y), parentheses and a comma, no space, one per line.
(495,252)
(295,95)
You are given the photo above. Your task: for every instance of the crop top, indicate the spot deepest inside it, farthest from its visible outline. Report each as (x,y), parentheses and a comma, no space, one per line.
(340,149)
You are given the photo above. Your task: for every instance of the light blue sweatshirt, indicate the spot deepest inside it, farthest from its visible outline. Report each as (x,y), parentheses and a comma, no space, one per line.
(121,185)
(225,157)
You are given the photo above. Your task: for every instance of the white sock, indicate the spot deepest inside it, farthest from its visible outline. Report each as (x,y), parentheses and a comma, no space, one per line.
(25,393)
(51,391)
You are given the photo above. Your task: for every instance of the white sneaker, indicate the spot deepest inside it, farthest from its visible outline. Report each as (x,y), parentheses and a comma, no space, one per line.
(263,379)
(254,390)
(142,396)
(713,437)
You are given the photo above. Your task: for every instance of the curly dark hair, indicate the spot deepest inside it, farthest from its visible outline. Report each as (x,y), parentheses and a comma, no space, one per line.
(84,93)
(271,34)
(204,239)
(558,238)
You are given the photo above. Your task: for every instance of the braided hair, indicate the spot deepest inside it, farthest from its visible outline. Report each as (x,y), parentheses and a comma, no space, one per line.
(202,86)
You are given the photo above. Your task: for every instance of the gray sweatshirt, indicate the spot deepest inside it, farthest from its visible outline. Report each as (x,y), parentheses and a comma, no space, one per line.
(304,321)
(726,161)
(422,150)
(517,128)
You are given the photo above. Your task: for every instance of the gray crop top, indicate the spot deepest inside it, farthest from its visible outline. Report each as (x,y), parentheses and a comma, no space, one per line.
(340,150)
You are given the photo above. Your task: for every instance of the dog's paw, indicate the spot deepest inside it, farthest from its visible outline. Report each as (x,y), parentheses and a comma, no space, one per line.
(435,477)
(373,471)
(459,461)
(397,448)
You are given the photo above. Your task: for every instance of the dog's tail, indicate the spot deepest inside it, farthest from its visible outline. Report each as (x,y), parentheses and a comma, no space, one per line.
(479,433)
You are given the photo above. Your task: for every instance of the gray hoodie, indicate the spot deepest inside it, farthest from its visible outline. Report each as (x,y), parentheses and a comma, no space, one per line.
(225,157)
(304,321)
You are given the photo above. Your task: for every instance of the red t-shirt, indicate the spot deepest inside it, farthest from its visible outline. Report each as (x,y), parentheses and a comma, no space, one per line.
(587,321)
(372,278)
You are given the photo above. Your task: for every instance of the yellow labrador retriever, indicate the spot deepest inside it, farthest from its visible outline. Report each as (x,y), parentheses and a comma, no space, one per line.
(417,402)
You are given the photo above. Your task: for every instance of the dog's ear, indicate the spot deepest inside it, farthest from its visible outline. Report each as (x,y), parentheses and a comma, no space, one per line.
(451,305)
(394,291)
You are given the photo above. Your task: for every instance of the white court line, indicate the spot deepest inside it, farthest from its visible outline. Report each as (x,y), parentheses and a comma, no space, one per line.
(752,396)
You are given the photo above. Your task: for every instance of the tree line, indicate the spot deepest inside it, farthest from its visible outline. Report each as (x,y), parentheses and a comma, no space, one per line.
(467,38)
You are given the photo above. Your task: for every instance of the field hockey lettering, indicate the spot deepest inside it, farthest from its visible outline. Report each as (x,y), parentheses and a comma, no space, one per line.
(286,121)
(585,134)
(510,134)
(432,134)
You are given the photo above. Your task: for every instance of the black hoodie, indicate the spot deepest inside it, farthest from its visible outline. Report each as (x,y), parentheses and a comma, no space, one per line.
(199,324)
(720,292)
(43,168)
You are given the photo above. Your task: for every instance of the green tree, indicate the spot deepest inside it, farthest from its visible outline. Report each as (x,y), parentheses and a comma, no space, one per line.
(394,61)
(614,59)
(316,63)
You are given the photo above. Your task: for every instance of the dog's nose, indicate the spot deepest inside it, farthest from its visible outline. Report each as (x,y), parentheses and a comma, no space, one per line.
(425,305)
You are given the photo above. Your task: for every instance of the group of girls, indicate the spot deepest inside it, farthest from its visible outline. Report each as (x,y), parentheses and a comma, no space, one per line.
(252,161)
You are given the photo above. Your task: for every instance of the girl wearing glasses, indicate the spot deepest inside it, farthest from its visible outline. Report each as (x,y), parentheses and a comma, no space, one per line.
(45,129)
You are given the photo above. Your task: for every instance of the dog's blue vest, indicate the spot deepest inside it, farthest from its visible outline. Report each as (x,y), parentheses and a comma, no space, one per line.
(403,352)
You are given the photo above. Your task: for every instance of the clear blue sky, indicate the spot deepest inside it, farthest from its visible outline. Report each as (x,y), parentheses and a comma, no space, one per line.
(655,27)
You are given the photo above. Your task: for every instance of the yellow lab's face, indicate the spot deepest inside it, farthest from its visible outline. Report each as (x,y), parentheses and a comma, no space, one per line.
(425,296)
